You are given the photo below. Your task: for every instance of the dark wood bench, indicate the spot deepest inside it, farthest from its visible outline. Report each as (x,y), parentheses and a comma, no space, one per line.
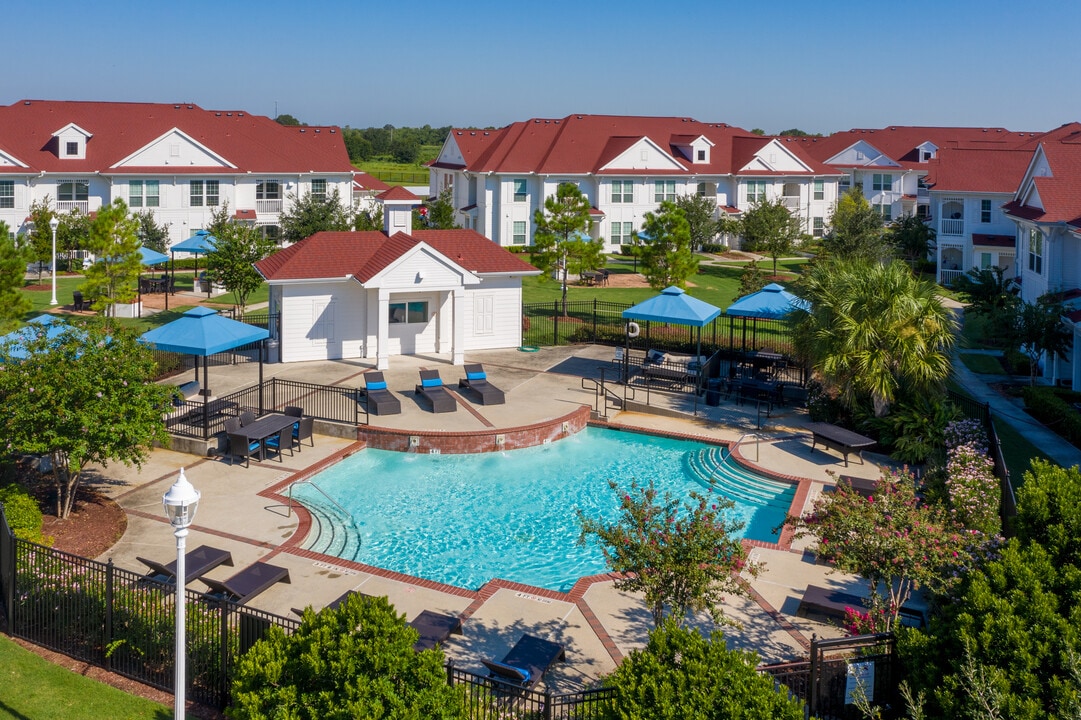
(839,439)
(832,604)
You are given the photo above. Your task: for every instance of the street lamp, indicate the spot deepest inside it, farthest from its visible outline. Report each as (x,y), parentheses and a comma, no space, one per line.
(54,223)
(180,503)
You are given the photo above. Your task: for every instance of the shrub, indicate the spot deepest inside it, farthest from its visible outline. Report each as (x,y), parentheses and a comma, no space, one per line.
(23,514)
(970,478)
(1047,407)
(915,426)
(717,248)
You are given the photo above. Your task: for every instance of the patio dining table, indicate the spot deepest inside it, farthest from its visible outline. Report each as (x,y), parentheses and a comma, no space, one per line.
(268,426)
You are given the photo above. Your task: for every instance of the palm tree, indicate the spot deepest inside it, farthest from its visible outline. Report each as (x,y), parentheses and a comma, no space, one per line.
(874,329)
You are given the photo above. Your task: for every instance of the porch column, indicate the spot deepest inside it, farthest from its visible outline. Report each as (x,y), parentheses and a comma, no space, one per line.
(458,347)
(382,338)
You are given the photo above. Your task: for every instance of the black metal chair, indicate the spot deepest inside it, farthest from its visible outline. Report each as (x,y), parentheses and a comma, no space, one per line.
(247,418)
(303,431)
(77,302)
(274,443)
(240,446)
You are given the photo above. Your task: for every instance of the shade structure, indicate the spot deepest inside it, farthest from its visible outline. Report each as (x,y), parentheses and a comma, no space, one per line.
(675,306)
(202,331)
(13,345)
(152,257)
(771,302)
(198,244)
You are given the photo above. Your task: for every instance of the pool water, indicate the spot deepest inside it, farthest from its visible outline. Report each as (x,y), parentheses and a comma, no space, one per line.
(466,519)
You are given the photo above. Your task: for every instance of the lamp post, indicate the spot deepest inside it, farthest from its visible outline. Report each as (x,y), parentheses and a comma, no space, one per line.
(180,504)
(54,223)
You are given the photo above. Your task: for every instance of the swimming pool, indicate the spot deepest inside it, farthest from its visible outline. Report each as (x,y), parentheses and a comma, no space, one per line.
(465,519)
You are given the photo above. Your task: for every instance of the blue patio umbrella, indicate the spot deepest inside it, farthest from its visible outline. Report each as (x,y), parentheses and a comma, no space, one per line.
(772,302)
(14,343)
(198,244)
(203,332)
(152,257)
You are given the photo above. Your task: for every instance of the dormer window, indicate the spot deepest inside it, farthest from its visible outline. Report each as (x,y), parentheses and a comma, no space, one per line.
(701,156)
(71,149)
(71,142)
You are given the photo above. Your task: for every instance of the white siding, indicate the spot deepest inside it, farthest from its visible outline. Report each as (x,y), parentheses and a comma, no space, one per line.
(322,321)
(505,298)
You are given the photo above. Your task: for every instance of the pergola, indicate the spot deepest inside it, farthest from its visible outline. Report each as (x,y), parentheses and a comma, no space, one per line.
(772,302)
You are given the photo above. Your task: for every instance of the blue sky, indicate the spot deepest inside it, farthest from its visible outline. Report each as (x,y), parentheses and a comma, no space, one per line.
(772,65)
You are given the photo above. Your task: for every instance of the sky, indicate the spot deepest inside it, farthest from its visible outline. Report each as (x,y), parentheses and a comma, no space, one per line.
(774,65)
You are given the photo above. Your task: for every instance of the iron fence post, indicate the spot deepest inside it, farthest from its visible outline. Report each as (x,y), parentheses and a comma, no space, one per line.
(812,680)
(547,704)
(450,672)
(109,577)
(555,323)
(226,667)
(594,319)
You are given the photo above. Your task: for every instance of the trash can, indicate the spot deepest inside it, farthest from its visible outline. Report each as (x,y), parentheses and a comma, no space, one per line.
(713,392)
(273,351)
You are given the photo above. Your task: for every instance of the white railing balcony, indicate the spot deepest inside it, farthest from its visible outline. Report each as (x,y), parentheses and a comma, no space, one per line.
(63,207)
(947,277)
(951,227)
(790,201)
(268,206)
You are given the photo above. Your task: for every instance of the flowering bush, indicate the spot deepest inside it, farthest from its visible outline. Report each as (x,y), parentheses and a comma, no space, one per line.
(970,478)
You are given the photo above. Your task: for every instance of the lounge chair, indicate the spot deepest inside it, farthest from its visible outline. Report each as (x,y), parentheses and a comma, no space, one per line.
(77,302)
(833,604)
(197,562)
(247,583)
(380,400)
(434,628)
(431,388)
(527,661)
(476,381)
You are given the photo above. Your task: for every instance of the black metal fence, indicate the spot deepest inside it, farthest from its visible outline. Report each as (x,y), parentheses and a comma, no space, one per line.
(601,322)
(490,699)
(172,363)
(982,412)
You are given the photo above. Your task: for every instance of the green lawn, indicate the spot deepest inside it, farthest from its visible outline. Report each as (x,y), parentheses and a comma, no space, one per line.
(983,364)
(1017,452)
(31,687)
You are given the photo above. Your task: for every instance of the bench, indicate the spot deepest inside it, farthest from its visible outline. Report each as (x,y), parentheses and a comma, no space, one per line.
(839,439)
(830,603)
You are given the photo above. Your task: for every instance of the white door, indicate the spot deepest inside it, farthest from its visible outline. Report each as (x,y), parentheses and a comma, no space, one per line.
(322,332)
(483,314)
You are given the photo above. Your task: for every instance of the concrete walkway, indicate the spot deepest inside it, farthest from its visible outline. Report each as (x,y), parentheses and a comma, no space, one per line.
(244,510)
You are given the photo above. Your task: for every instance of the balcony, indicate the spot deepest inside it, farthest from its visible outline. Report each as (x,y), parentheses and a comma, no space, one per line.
(951,226)
(268,206)
(790,201)
(63,207)
(947,277)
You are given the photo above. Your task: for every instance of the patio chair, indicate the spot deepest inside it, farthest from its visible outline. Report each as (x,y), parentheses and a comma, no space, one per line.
(303,431)
(242,447)
(380,400)
(247,418)
(232,426)
(525,664)
(431,388)
(247,583)
(197,562)
(77,302)
(476,381)
(434,629)
(293,411)
(274,444)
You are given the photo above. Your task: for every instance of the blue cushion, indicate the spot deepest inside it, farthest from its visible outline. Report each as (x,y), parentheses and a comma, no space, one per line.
(476,376)
(253,446)
(431,382)
(377,386)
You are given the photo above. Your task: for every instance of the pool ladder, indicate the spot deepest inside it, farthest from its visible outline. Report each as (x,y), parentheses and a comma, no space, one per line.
(333,502)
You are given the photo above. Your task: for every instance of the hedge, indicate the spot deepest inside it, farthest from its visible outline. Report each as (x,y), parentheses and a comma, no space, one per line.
(1044,404)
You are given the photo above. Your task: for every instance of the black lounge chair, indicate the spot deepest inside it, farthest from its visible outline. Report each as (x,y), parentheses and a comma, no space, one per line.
(380,400)
(197,562)
(247,583)
(476,381)
(527,661)
(431,387)
(434,629)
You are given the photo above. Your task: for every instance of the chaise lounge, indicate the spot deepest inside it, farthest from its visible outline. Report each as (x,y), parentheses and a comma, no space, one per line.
(434,628)
(525,664)
(197,562)
(832,604)
(247,583)
(431,388)
(380,400)
(476,382)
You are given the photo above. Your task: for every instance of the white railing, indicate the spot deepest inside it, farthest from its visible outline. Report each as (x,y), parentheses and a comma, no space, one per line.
(790,201)
(951,227)
(66,206)
(268,206)
(947,277)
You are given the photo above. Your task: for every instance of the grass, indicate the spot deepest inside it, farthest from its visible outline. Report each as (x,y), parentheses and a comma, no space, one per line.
(32,687)
(1017,452)
(982,364)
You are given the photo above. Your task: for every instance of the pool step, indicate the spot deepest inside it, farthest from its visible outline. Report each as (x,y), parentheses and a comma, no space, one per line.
(331,533)
(708,467)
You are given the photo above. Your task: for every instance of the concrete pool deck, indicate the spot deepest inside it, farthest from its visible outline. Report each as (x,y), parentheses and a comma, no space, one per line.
(244,511)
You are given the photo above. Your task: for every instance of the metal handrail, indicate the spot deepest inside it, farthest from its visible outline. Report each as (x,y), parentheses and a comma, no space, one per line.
(743,437)
(309,481)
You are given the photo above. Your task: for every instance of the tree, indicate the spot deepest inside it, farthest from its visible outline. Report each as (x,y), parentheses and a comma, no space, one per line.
(770,228)
(1040,332)
(152,235)
(14,304)
(114,276)
(681,674)
(796,132)
(699,211)
(559,230)
(310,214)
(987,292)
(80,398)
(73,233)
(855,230)
(231,264)
(355,661)
(890,539)
(369,217)
(38,241)
(220,220)
(287,119)
(911,238)
(667,258)
(872,330)
(438,215)
(751,280)
(680,555)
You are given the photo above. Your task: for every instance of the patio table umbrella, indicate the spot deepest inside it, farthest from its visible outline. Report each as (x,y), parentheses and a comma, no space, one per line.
(202,332)
(772,302)
(15,341)
(152,257)
(198,244)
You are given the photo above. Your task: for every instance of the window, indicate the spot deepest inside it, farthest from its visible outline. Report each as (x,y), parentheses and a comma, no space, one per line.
(923,212)
(1035,251)
(701,156)
(270,232)
(319,190)
(7,193)
(819,190)
(68,190)
(622,233)
(664,190)
(268,190)
(885,210)
(985,211)
(882,182)
(204,193)
(818,227)
(518,236)
(985,260)
(143,193)
(519,190)
(703,190)
(71,148)
(844,184)
(622,191)
(756,191)
(411,312)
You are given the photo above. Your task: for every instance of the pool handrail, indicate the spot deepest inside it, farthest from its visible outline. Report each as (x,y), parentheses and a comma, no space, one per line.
(310,481)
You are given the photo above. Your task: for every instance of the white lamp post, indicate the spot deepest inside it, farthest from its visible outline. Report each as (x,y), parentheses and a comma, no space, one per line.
(54,223)
(180,503)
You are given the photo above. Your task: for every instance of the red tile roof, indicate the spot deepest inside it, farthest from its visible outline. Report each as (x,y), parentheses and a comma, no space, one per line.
(253,143)
(364,254)
(397,193)
(369,182)
(245,215)
(583,144)
(993,240)
(984,170)
(1060,193)
(900,142)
